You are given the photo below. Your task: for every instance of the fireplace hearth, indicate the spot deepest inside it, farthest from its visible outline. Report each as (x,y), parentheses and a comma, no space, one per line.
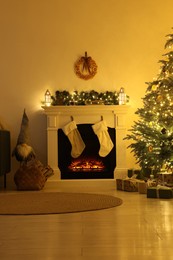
(89,165)
(114,164)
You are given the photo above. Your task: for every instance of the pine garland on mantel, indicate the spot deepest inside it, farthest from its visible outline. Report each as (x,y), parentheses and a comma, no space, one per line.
(92,97)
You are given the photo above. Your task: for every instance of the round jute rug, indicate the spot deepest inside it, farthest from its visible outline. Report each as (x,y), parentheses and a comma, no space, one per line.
(36,202)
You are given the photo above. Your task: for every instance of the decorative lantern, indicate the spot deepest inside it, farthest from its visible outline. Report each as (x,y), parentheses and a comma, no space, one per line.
(47,97)
(122,97)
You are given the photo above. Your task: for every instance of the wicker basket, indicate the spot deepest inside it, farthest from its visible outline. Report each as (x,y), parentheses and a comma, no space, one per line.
(31,176)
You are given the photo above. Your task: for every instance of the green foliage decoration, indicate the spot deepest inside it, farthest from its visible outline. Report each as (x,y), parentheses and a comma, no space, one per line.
(85,98)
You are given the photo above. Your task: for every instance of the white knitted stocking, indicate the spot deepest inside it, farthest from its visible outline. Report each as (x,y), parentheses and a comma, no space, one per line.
(106,144)
(75,139)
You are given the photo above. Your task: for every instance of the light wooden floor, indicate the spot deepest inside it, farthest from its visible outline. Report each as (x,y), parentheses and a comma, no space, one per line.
(140,228)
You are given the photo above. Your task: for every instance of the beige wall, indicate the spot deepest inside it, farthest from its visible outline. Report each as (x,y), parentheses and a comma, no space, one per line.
(41,40)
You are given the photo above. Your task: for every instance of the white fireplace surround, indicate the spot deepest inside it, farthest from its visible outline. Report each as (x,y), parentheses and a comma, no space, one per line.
(59,116)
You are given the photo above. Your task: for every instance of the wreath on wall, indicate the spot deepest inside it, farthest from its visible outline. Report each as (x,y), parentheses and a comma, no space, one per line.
(85,67)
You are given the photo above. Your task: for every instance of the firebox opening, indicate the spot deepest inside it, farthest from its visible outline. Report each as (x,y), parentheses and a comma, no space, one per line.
(89,165)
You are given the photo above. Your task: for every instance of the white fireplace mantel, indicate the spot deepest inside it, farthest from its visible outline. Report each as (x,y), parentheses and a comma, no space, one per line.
(59,116)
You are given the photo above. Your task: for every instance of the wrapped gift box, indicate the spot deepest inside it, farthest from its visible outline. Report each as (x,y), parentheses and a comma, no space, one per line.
(165,177)
(142,187)
(130,173)
(159,192)
(130,185)
(152,182)
(119,183)
(134,173)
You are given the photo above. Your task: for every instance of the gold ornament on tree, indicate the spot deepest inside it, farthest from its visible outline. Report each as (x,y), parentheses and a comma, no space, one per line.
(85,67)
(150,148)
(159,98)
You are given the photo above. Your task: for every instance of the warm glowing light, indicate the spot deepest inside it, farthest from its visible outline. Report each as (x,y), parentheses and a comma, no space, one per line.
(86,165)
(122,97)
(47,98)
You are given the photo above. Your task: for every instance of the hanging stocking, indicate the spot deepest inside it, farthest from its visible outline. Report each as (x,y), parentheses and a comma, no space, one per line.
(75,139)
(106,144)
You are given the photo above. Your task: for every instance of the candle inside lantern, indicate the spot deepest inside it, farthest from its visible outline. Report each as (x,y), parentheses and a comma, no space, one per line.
(122,97)
(47,98)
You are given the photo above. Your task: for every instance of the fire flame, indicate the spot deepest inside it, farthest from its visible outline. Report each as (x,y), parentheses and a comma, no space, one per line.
(87,165)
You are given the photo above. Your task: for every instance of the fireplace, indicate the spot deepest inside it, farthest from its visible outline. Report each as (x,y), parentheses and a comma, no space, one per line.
(114,165)
(89,165)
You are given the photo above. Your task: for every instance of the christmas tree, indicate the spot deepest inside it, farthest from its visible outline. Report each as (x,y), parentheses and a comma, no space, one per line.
(152,134)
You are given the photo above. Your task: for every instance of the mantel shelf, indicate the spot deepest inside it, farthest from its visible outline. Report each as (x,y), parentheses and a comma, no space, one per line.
(85,109)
